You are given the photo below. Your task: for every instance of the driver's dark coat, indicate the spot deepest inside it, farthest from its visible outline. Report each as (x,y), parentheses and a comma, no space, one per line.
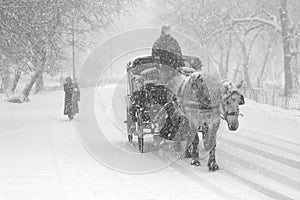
(168,43)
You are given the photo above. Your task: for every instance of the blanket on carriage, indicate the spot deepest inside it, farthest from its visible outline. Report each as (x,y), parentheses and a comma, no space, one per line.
(142,100)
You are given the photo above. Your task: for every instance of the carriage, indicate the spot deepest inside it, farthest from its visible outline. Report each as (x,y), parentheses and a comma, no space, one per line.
(147,92)
(202,101)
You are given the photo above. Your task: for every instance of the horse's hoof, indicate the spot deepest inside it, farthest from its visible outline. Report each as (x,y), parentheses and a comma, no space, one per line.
(195,162)
(213,168)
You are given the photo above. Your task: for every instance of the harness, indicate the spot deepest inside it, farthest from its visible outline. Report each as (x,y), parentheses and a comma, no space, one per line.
(225,114)
(200,105)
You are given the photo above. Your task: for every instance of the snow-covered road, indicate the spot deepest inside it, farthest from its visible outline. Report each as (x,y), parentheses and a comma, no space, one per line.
(43,157)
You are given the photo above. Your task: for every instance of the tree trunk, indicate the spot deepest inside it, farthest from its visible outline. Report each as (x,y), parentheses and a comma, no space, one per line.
(246,56)
(238,64)
(228,57)
(5,78)
(295,73)
(288,84)
(28,87)
(221,61)
(263,69)
(39,85)
(15,81)
(296,70)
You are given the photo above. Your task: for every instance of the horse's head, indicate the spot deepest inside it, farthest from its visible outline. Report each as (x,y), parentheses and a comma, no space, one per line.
(231,100)
(199,86)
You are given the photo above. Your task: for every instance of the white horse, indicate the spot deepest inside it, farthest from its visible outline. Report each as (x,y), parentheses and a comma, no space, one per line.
(203,101)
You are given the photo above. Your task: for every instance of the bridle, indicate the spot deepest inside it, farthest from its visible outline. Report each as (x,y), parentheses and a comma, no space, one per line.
(225,114)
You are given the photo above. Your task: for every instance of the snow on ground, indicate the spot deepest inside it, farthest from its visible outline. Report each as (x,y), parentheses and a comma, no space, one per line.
(41,157)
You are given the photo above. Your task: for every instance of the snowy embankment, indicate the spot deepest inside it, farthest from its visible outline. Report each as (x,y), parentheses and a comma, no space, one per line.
(41,157)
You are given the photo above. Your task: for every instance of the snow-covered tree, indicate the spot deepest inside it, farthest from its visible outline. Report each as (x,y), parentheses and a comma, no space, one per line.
(36,34)
(237,26)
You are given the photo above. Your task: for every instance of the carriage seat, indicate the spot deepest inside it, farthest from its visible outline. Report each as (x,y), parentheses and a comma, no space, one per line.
(149,71)
(150,75)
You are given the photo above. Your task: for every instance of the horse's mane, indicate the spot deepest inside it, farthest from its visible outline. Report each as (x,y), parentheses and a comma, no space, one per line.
(214,84)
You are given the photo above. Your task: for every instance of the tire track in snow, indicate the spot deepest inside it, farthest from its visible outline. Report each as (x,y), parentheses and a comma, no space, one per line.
(196,177)
(188,172)
(272,137)
(268,144)
(261,170)
(285,161)
(257,187)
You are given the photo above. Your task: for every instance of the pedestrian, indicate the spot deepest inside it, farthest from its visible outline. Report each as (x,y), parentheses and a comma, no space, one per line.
(72,96)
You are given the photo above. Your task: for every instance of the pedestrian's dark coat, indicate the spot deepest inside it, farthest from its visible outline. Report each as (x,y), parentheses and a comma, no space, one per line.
(76,92)
(70,106)
(68,88)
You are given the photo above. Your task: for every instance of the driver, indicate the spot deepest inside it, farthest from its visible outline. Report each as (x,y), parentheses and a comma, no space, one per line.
(167,49)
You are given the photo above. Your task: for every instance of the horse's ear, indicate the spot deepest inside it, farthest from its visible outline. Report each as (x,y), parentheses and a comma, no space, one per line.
(240,84)
(242,100)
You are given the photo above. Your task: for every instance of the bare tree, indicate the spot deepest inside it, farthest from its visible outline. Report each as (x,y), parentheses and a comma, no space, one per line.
(36,34)
(246,22)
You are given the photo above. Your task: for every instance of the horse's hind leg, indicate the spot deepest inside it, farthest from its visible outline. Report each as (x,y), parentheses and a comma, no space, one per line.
(188,151)
(190,146)
(212,164)
(195,151)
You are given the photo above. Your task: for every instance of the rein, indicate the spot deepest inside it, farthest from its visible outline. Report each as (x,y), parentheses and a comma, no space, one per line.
(225,114)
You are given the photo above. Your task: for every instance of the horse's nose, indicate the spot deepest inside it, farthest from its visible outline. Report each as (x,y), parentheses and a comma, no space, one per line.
(233,127)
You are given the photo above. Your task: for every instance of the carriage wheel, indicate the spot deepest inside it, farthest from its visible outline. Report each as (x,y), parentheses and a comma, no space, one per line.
(141,139)
(129,131)
(140,133)
(129,123)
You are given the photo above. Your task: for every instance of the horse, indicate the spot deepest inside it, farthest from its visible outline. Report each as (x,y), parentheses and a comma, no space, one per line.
(203,100)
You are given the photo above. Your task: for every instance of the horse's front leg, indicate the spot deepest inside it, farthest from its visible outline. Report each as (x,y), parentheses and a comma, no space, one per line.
(195,151)
(212,164)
